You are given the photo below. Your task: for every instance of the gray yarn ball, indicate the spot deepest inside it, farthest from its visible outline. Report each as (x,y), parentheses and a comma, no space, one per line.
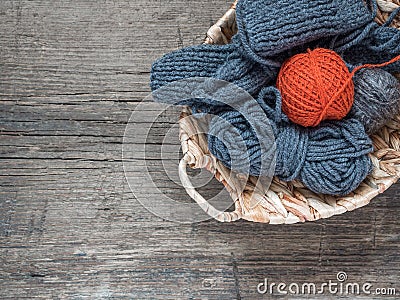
(376,98)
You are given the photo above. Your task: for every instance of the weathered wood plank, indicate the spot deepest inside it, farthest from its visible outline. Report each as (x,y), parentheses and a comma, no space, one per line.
(71,73)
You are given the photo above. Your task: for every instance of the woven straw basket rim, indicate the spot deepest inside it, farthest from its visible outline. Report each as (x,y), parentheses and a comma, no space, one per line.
(284,202)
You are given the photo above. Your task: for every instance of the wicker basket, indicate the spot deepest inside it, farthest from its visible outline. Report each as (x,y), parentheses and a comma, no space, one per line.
(284,202)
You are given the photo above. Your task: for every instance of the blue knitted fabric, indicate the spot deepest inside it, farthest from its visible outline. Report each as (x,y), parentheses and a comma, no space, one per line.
(194,61)
(220,62)
(267,28)
(380,45)
(272,31)
(330,159)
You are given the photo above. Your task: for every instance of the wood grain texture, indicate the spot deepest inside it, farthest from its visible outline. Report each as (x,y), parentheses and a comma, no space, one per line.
(71,73)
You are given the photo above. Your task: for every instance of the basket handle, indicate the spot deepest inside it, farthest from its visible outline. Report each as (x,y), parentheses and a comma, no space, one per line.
(221,216)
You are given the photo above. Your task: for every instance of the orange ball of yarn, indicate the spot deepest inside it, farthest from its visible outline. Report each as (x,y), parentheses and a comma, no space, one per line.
(315,86)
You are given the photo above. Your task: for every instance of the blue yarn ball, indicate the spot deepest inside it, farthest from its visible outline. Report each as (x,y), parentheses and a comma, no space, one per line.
(329,159)
(244,141)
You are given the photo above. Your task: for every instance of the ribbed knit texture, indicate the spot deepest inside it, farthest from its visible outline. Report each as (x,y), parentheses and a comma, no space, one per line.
(194,61)
(269,33)
(380,45)
(245,73)
(244,141)
(267,28)
(220,62)
(330,159)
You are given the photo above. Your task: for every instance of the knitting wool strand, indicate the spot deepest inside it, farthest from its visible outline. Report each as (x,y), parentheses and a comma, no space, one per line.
(317,86)
(330,159)
(381,44)
(271,32)
(376,98)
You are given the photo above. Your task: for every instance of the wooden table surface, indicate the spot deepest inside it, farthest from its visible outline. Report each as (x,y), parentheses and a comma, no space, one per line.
(71,73)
